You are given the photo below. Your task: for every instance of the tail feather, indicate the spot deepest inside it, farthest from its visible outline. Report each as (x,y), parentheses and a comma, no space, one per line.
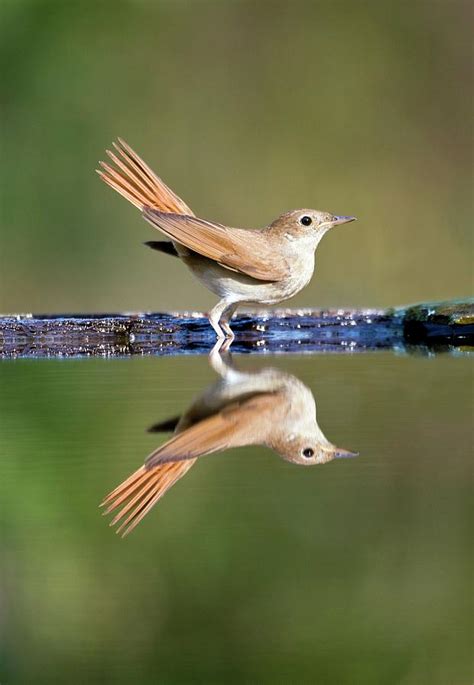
(143,188)
(141,491)
(135,181)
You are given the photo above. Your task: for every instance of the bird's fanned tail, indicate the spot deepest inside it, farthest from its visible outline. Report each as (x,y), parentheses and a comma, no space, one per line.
(141,491)
(135,181)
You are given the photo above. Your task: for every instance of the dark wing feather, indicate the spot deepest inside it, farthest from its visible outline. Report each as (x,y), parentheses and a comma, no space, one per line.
(162,246)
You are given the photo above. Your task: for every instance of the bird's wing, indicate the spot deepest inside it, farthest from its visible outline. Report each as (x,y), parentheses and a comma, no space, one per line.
(132,500)
(242,250)
(231,427)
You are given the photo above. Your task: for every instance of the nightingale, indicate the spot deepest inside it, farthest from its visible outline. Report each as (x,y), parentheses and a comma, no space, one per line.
(269,407)
(241,266)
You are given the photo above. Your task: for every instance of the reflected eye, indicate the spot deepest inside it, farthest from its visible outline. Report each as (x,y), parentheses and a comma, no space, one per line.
(306,220)
(307,452)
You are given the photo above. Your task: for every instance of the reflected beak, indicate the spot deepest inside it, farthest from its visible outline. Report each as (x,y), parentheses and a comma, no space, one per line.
(345,454)
(343,220)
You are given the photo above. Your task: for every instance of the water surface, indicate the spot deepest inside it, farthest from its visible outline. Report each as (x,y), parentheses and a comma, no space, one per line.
(250,569)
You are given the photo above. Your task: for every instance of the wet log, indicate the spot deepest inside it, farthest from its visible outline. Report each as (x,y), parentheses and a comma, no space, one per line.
(418,328)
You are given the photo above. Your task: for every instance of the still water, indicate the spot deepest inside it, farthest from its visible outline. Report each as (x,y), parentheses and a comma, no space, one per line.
(252,568)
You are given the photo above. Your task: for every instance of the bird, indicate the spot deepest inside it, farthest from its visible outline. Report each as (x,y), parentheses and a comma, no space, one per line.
(262,266)
(268,407)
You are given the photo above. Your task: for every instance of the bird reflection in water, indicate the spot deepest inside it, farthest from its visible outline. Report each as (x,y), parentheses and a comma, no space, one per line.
(268,407)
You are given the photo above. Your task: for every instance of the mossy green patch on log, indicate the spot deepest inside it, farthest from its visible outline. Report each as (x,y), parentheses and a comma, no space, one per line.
(453,312)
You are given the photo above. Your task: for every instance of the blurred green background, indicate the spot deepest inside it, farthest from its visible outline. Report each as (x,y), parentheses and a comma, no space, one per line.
(247,109)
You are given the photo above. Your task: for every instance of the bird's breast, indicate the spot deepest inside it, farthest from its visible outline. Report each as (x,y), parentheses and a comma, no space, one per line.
(240,287)
(301,268)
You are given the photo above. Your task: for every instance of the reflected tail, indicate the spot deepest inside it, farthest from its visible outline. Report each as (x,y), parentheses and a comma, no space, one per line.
(140,492)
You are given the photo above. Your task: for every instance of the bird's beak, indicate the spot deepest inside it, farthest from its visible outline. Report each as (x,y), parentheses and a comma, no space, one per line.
(345,454)
(343,220)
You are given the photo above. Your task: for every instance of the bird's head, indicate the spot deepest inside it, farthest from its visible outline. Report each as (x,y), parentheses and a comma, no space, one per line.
(307,223)
(309,450)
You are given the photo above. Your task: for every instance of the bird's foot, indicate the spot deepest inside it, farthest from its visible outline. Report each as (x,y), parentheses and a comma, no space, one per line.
(219,318)
(221,346)
(226,345)
(224,333)
(229,333)
(218,330)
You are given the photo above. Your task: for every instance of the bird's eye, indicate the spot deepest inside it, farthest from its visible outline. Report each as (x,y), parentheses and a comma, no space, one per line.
(308,452)
(306,220)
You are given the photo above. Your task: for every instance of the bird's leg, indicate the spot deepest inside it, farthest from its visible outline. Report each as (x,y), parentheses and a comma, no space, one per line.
(225,318)
(217,313)
(214,318)
(220,358)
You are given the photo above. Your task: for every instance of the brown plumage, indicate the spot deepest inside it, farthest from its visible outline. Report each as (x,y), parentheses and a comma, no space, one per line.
(224,245)
(138,183)
(242,266)
(270,408)
(141,491)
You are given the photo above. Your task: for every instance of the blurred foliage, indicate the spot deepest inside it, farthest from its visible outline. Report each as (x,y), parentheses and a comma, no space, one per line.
(250,570)
(247,109)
